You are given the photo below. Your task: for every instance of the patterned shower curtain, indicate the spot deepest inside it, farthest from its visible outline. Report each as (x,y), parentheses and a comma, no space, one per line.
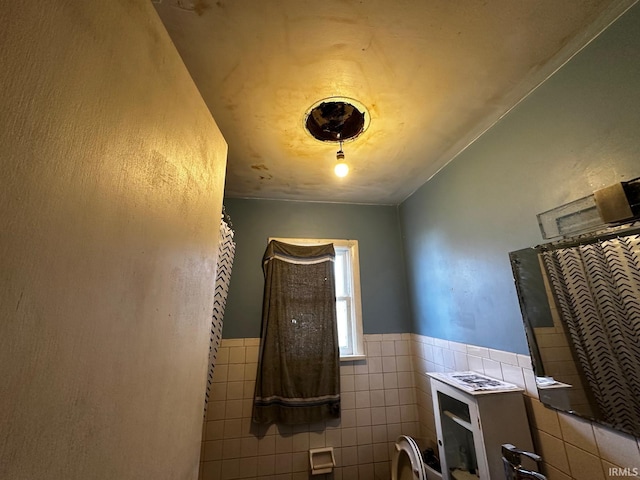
(226,253)
(597,287)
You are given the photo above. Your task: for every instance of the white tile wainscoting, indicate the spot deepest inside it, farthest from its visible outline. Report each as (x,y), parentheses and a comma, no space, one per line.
(378,404)
(571,448)
(383,396)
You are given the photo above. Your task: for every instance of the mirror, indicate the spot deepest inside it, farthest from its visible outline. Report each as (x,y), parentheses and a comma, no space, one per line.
(580,302)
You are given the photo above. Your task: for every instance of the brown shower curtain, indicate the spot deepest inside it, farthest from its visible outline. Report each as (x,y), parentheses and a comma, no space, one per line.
(299,372)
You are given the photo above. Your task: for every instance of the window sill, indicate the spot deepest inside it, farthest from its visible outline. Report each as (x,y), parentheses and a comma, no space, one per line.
(352,358)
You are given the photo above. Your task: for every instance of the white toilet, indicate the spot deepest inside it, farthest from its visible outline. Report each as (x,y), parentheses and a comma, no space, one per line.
(407,462)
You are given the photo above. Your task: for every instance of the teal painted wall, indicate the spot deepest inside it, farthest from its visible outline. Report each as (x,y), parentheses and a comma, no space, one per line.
(384,301)
(578,132)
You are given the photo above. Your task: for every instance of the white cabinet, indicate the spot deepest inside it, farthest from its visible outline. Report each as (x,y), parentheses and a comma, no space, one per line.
(472,425)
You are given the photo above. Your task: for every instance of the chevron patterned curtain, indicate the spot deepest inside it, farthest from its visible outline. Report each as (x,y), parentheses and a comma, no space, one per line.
(597,288)
(226,253)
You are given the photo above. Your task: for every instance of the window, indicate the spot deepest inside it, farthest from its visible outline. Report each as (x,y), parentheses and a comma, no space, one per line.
(348,305)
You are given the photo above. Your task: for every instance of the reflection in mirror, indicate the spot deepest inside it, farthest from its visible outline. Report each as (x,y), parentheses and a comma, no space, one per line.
(580,303)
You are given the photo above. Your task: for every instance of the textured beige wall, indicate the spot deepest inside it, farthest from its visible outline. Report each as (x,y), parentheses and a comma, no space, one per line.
(111,181)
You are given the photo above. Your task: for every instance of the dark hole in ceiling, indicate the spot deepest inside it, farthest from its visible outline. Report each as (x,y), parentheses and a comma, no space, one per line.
(332,121)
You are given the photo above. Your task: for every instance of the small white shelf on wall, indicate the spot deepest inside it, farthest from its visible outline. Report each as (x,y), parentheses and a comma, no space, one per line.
(475,415)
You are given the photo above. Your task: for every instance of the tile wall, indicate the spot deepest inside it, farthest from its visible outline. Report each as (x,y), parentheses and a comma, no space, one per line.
(378,404)
(384,396)
(571,448)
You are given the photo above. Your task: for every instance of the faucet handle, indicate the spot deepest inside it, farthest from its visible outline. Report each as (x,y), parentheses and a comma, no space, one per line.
(511,457)
(512,454)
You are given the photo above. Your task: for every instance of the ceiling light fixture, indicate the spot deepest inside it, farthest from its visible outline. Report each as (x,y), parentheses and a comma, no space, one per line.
(337,119)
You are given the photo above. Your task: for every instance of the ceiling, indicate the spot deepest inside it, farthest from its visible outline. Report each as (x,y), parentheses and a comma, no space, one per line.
(432,74)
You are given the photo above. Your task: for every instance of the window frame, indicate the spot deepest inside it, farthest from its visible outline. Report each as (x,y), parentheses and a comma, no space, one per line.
(351,246)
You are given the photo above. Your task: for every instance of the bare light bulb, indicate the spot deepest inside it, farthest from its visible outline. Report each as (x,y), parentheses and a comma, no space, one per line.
(341,169)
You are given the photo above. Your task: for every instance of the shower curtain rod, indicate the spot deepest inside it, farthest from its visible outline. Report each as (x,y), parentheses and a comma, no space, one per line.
(620,231)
